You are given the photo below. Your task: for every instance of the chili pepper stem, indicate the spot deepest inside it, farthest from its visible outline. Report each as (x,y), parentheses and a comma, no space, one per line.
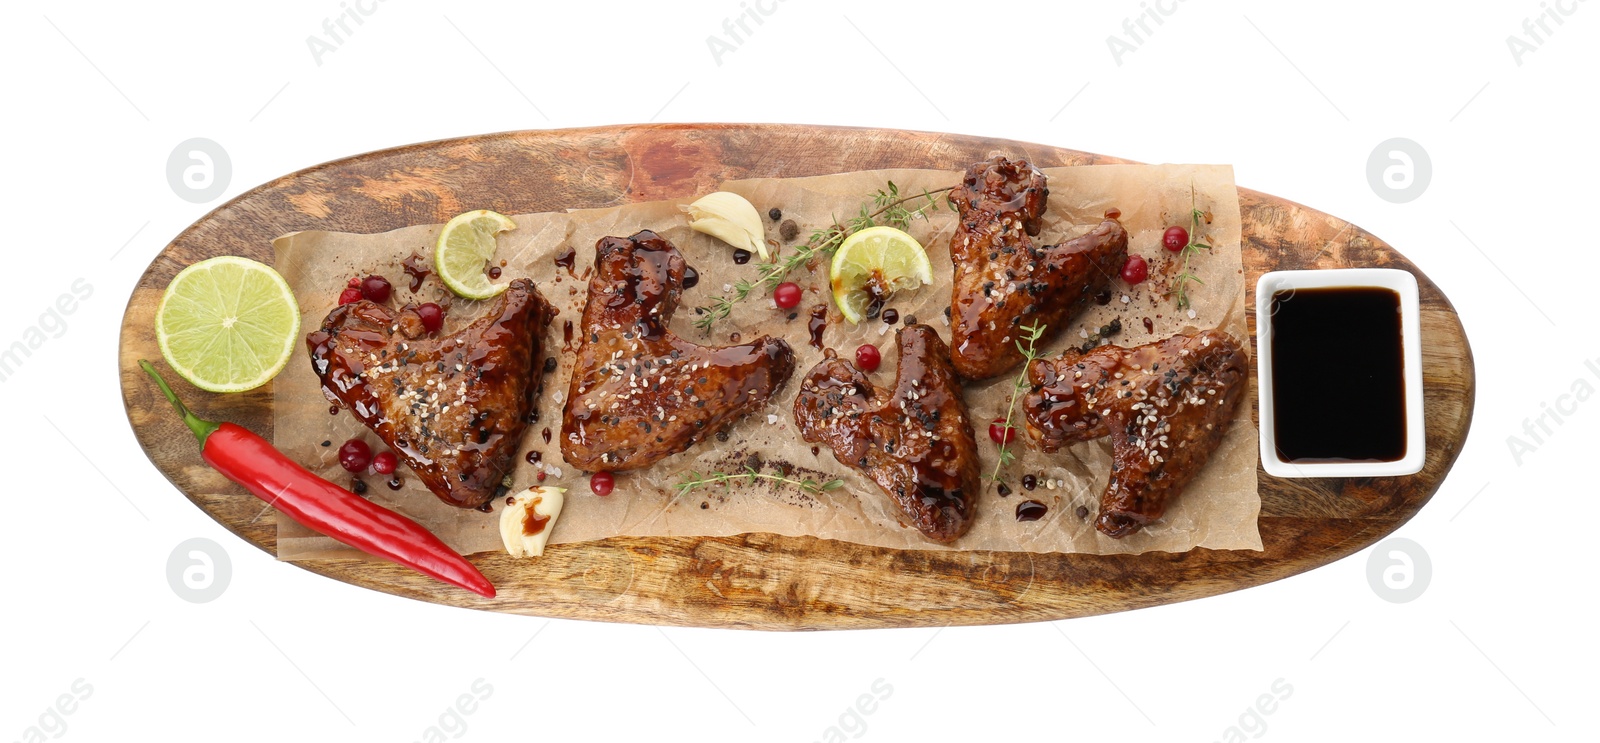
(201,427)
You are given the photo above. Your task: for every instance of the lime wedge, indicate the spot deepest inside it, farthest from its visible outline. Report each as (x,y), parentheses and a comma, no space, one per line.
(228,324)
(465,244)
(874,263)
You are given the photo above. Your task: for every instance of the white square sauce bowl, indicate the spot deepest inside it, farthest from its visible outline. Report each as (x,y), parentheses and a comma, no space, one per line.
(1329,460)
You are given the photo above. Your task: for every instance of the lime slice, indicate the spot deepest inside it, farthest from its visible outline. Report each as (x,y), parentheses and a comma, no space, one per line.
(228,324)
(465,244)
(874,263)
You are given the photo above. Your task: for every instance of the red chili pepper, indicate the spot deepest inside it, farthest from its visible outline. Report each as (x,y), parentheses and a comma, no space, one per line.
(322,506)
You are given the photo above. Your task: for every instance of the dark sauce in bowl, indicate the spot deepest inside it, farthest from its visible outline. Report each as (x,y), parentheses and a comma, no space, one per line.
(1338,375)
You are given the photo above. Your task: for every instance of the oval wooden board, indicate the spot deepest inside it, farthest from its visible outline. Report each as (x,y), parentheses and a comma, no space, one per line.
(765,581)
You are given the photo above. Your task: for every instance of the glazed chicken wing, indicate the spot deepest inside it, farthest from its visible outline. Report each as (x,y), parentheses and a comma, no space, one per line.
(1165,405)
(453,408)
(1003,281)
(914,441)
(640,393)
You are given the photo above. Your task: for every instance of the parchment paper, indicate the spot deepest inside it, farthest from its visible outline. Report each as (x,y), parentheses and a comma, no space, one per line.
(1218,509)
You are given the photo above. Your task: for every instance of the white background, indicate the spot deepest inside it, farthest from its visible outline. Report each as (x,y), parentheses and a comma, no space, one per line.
(1499,645)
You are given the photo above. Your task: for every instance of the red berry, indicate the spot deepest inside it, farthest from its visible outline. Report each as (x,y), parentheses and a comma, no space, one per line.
(432,317)
(602,483)
(787,295)
(350,294)
(1135,270)
(868,358)
(376,289)
(355,455)
(1001,433)
(384,462)
(1175,238)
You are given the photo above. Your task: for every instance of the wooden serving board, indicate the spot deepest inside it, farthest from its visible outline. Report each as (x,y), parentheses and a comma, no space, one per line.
(763,581)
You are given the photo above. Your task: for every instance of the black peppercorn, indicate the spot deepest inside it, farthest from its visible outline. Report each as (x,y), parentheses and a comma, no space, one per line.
(358,487)
(774,214)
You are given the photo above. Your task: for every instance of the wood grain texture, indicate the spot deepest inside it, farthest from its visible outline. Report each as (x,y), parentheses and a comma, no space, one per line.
(760,580)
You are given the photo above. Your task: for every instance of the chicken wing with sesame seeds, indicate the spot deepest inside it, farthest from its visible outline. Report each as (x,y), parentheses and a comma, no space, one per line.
(914,441)
(1165,405)
(1003,281)
(640,393)
(452,407)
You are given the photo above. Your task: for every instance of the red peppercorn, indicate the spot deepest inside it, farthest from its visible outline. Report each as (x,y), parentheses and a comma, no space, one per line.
(376,289)
(354,282)
(1135,270)
(432,317)
(602,483)
(1002,433)
(350,294)
(355,455)
(384,462)
(1175,238)
(787,295)
(868,358)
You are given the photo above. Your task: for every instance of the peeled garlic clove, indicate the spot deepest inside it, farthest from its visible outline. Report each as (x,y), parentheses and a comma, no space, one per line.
(525,525)
(730,218)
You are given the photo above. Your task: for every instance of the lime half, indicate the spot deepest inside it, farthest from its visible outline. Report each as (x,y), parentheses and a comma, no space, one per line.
(874,263)
(465,244)
(228,324)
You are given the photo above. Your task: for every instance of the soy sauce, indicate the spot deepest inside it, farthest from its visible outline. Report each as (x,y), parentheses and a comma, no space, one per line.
(567,259)
(1338,375)
(817,324)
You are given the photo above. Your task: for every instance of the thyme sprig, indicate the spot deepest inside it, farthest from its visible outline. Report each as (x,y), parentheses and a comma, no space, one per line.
(1181,281)
(1030,353)
(887,207)
(695,480)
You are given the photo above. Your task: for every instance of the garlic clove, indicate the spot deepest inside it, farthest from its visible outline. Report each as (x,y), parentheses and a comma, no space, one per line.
(730,218)
(535,510)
